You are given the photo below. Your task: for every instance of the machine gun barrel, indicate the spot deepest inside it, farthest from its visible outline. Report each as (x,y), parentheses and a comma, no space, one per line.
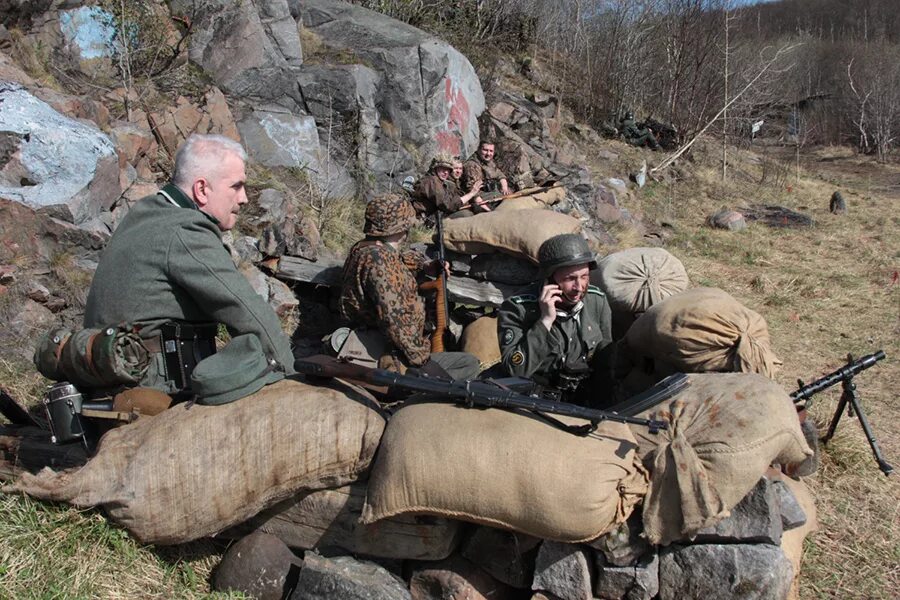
(846,372)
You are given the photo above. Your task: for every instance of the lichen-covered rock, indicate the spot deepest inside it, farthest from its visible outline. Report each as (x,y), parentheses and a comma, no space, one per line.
(346,578)
(50,160)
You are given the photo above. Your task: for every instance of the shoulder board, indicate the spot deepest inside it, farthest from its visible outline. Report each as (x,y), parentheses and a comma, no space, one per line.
(523,298)
(593,289)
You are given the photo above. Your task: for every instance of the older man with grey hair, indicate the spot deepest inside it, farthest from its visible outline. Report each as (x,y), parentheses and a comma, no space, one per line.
(166,271)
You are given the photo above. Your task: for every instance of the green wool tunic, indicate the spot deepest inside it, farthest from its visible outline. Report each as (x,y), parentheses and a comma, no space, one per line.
(529,350)
(166,262)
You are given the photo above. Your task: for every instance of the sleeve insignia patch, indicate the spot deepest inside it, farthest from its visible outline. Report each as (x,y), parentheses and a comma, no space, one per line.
(517,358)
(508,336)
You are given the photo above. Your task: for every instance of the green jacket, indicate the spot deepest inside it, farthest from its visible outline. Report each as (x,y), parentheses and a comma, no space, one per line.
(529,350)
(166,262)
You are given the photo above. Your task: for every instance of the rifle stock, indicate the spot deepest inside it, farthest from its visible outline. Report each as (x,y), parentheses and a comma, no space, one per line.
(519,194)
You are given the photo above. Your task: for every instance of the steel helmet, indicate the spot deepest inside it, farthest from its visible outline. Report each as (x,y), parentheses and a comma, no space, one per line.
(565,250)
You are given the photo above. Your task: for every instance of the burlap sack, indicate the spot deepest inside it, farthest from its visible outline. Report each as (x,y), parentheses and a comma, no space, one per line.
(521,203)
(518,232)
(637,278)
(792,539)
(504,469)
(195,470)
(725,430)
(704,330)
(479,338)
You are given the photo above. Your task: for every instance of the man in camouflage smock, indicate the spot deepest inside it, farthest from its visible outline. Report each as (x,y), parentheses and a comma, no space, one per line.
(482,168)
(379,288)
(559,334)
(439,191)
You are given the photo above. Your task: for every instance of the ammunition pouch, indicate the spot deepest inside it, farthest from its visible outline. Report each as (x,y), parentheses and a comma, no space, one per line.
(183,345)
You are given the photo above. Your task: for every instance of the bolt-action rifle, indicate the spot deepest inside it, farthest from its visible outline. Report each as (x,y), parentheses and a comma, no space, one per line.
(439,287)
(488,395)
(849,400)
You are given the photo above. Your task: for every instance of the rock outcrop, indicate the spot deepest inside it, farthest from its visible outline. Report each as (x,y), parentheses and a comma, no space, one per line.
(50,161)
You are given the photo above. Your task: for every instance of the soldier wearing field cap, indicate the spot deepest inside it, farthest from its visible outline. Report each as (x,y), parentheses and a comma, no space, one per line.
(439,191)
(379,289)
(558,333)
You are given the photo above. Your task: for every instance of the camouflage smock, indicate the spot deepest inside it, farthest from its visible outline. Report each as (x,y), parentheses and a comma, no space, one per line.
(379,290)
(431,194)
(476,169)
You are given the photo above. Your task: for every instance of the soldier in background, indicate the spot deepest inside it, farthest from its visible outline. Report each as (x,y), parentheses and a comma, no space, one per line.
(559,334)
(637,136)
(482,168)
(379,291)
(439,191)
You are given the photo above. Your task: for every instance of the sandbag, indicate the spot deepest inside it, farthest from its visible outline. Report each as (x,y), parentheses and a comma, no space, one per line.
(725,429)
(519,232)
(520,203)
(704,330)
(329,520)
(504,268)
(195,470)
(505,469)
(479,339)
(792,539)
(636,279)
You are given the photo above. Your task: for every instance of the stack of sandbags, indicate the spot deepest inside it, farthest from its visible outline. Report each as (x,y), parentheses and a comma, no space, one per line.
(636,279)
(702,330)
(195,470)
(724,431)
(517,232)
(505,469)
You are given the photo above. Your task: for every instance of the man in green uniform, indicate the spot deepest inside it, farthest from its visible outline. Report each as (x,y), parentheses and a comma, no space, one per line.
(379,290)
(482,168)
(559,334)
(637,136)
(439,191)
(166,270)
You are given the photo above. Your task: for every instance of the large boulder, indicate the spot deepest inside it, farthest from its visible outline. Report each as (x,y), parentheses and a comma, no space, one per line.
(428,93)
(249,49)
(275,137)
(49,160)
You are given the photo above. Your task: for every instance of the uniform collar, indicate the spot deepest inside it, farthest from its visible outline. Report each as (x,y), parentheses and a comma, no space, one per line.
(177,197)
(572,312)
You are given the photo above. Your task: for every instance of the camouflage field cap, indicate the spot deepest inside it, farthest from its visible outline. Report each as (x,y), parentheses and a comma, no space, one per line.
(443,159)
(387,215)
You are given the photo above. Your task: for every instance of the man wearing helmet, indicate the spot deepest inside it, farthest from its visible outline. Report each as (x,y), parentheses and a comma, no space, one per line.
(559,333)
(379,289)
(637,136)
(438,191)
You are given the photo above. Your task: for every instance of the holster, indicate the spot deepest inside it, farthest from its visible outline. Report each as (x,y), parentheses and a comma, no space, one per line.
(183,345)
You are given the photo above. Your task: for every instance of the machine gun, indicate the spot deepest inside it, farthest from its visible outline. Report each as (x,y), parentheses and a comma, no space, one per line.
(488,395)
(849,400)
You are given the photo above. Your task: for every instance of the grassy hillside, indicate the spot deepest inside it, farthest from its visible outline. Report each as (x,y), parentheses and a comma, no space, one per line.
(825,291)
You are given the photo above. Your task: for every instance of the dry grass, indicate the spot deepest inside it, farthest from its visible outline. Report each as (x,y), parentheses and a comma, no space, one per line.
(825,291)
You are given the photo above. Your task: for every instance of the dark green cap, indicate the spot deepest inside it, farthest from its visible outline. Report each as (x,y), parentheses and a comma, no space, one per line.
(238,370)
